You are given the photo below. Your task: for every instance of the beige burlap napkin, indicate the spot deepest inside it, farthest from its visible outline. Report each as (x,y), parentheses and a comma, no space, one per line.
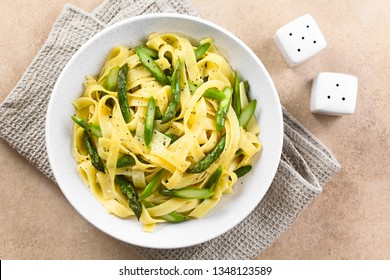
(306,164)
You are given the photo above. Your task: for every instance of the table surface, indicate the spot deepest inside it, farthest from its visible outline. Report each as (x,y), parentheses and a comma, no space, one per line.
(349,220)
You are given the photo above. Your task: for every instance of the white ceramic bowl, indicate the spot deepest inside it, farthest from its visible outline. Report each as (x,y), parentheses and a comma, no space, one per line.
(233,208)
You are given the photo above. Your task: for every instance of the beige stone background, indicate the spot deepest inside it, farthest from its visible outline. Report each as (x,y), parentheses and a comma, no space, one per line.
(349,220)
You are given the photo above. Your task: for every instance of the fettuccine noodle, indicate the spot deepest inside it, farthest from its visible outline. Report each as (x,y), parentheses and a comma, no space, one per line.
(193,127)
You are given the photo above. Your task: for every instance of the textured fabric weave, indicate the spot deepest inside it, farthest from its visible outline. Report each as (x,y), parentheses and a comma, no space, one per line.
(306,164)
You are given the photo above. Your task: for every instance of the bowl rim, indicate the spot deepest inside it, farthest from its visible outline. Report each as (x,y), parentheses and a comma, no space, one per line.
(278,141)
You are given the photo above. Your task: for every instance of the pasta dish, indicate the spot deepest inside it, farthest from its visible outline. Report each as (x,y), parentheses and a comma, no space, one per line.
(164,131)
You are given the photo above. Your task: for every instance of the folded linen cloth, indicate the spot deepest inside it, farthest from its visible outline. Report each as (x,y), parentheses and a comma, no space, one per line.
(305,167)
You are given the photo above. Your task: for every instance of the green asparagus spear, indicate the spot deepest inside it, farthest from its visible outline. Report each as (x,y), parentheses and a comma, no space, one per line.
(210,158)
(174,217)
(90,128)
(201,50)
(247,113)
(91,150)
(129,191)
(153,185)
(214,93)
(173,104)
(122,92)
(170,112)
(214,178)
(236,94)
(149,121)
(152,66)
(110,83)
(242,170)
(150,52)
(189,193)
(223,108)
(246,86)
(125,160)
